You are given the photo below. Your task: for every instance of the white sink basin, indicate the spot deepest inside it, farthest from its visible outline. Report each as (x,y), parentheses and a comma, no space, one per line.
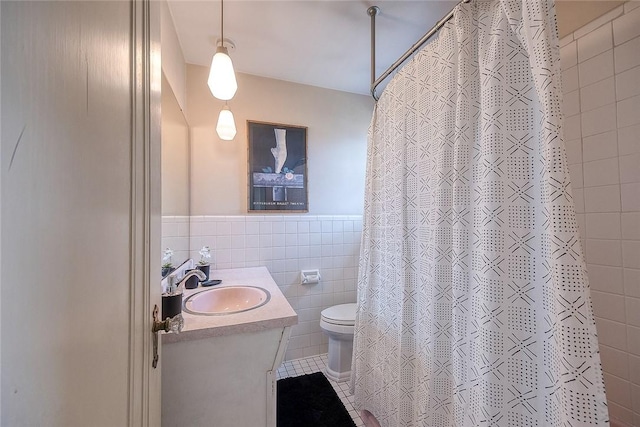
(227,300)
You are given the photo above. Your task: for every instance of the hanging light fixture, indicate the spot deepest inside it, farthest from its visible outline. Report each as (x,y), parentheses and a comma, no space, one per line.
(226,127)
(222,78)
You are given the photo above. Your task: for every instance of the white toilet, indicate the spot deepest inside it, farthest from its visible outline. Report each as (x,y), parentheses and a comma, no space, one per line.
(337,322)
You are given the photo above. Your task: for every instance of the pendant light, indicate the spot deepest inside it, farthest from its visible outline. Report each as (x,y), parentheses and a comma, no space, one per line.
(226,127)
(222,78)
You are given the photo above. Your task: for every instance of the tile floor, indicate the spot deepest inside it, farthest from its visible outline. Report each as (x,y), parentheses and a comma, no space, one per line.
(309,365)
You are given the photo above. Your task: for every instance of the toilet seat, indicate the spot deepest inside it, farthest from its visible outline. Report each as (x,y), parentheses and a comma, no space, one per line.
(340,315)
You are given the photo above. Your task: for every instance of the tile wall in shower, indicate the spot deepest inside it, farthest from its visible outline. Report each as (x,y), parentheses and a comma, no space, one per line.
(601,85)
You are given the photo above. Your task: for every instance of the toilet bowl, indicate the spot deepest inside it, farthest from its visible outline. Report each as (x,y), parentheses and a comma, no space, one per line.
(337,322)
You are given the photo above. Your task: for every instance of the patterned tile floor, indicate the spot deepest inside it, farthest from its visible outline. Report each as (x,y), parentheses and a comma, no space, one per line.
(309,365)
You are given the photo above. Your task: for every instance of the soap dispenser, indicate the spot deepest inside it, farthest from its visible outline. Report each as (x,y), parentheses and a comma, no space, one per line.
(172,305)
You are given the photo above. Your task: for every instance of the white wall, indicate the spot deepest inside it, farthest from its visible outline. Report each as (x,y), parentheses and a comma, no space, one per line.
(175,155)
(601,82)
(337,137)
(173,64)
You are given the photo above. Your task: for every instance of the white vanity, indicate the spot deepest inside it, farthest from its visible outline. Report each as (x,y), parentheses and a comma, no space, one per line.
(221,369)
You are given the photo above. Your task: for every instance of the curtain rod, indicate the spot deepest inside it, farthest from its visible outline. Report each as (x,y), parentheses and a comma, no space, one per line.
(375,10)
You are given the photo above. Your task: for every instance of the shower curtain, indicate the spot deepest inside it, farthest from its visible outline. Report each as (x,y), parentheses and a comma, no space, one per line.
(474,307)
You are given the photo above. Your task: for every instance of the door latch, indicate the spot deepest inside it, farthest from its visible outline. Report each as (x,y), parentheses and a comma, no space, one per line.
(158,326)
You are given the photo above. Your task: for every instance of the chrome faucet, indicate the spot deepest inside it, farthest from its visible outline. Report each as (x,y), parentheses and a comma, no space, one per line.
(174,283)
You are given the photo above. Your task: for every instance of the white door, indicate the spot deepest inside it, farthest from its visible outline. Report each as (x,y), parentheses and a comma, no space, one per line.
(79,212)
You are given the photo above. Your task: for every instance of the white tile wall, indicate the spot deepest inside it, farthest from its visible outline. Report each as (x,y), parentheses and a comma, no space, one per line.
(595,42)
(631,253)
(632,282)
(175,235)
(604,252)
(633,340)
(601,172)
(285,244)
(630,5)
(597,95)
(597,68)
(572,127)
(630,168)
(606,278)
(570,79)
(626,27)
(633,311)
(603,225)
(601,62)
(574,151)
(599,120)
(569,56)
(602,198)
(618,390)
(626,55)
(600,146)
(566,40)
(629,140)
(617,360)
(628,83)
(572,103)
(629,110)
(630,194)
(612,334)
(630,224)
(634,369)
(610,306)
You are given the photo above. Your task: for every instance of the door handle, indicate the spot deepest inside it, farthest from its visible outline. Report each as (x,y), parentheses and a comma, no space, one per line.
(170,324)
(157,327)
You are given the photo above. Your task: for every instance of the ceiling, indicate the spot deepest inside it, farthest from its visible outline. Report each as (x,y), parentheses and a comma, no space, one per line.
(320,42)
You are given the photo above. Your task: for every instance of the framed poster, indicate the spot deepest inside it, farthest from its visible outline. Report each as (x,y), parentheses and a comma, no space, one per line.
(277,167)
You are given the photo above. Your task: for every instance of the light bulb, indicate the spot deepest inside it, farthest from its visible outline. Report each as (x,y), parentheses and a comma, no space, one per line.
(222,78)
(226,127)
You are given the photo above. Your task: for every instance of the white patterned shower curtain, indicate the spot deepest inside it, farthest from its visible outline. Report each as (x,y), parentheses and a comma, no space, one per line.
(474,307)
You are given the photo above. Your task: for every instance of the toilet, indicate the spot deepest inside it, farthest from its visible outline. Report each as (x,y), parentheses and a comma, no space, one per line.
(337,322)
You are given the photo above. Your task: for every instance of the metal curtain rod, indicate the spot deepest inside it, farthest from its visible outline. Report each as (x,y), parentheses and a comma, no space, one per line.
(375,10)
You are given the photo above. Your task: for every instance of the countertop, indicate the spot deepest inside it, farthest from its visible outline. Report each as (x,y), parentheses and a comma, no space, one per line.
(277,313)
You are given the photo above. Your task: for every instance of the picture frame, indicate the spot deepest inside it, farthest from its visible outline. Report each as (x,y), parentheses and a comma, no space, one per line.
(277,156)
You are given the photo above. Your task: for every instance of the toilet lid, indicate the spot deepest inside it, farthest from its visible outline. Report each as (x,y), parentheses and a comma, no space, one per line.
(343,314)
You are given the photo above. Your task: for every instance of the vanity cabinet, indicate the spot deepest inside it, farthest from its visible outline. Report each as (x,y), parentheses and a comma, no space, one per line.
(220,371)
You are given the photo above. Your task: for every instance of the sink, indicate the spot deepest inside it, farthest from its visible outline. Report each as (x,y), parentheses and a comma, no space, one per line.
(227,300)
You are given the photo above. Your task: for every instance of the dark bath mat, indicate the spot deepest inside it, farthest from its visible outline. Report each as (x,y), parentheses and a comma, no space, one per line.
(310,401)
